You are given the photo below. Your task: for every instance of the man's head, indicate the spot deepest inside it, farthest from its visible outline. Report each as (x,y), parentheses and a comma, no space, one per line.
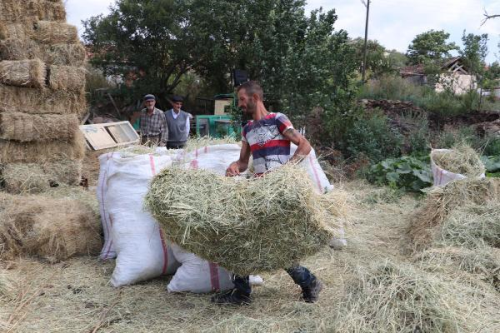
(250,94)
(177,103)
(149,102)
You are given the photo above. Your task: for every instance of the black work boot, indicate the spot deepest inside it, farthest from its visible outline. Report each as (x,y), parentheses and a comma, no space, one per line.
(310,294)
(231,297)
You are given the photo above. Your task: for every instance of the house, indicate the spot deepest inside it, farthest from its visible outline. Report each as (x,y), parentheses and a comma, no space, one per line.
(454,76)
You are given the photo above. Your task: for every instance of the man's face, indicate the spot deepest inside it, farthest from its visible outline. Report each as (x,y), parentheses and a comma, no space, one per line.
(176,106)
(150,104)
(246,103)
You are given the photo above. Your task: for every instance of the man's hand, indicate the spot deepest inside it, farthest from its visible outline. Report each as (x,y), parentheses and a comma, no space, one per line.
(233,170)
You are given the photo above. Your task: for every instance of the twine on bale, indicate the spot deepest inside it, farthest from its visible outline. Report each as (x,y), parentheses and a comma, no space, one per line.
(23,73)
(246,226)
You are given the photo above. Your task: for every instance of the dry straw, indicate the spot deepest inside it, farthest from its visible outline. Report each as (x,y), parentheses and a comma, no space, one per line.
(16,10)
(42,152)
(25,127)
(442,201)
(461,159)
(58,54)
(54,33)
(35,101)
(401,298)
(67,78)
(15,31)
(53,229)
(247,226)
(23,73)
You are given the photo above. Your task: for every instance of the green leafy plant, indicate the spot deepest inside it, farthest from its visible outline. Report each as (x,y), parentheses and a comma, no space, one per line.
(491,163)
(407,173)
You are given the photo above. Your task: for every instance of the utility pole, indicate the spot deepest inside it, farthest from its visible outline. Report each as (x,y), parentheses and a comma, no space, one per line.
(365,51)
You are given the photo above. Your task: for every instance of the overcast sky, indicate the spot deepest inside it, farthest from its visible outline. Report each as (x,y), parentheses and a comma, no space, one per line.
(394,23)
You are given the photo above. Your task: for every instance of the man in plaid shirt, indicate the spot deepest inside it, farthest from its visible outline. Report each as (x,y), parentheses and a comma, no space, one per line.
(154,129)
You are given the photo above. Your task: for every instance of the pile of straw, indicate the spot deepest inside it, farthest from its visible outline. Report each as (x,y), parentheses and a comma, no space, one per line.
(246,226)
(53,229)
(28,127)
(461,159)
(440,202)
(6,286)
(23,73)
(66,78)
(48,32)
(27,100)
(400,298)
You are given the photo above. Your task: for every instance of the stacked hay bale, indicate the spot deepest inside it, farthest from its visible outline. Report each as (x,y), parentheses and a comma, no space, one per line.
(42,81)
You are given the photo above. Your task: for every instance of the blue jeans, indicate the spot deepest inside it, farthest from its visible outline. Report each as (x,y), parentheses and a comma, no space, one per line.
(300,275)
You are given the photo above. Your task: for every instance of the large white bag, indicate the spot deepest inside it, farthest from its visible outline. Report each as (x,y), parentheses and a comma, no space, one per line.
(142,252)
(441,176)
(108,250)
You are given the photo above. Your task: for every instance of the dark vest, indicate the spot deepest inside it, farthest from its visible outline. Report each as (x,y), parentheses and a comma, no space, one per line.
(177,133)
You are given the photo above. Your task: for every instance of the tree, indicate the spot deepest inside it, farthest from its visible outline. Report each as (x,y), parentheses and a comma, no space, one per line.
(430,47)
(379,60)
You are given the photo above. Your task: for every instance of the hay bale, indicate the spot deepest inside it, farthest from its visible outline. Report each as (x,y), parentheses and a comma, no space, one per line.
(42,152)
(35,101)
(58,54)
(400,298)
(66,78)
(48,32)
(15,31)
(246,226)
(461,159)
(25,127)
(442,201)
(53,229)
(32,178)
(23,73)
(15,10)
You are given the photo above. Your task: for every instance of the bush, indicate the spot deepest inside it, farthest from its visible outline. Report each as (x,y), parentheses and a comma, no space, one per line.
(374,138)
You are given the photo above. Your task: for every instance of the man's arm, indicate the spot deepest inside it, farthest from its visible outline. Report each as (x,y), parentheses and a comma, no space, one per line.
(240,165)
(303,145)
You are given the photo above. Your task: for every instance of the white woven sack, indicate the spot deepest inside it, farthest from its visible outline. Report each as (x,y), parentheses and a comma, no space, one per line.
(108,250)
(441,176)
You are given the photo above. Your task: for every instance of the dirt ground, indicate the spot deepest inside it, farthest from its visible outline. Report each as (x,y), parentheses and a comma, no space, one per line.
(75,296)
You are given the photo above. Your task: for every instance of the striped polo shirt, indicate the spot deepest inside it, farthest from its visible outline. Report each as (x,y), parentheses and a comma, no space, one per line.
(270,149)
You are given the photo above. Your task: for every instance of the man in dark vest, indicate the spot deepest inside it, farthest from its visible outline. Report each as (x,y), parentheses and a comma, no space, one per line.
(178,125)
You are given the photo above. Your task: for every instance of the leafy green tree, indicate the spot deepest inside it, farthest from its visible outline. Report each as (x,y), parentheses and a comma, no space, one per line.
(379,60)
(430,47)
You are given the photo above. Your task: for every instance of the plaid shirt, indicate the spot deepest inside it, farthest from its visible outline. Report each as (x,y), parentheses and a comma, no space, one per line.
(154,125)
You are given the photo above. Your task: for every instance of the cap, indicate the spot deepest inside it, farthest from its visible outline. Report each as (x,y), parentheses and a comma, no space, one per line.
(177,99)
(149,97)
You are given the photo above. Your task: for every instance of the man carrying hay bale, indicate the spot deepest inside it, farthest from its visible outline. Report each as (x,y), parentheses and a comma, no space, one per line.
(267,137)
(154,130)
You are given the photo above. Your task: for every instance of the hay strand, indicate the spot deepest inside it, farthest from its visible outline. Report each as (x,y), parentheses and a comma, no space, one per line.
(23,73)
(246,226)
(66,78)
(35,101)
(48,32)
(25,127)
(461,159)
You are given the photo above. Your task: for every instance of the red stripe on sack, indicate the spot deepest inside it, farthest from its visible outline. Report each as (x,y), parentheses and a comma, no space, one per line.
(320,188)
(152,163)
(440,176)
(214,276)
(110,242)
(165,253)
(194,164)
(106,217)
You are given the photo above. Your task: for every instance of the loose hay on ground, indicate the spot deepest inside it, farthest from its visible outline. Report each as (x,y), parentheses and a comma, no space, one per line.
(460,159)
(48,32)
(53,229)
(440,202)
(23,73)
(67,78)
(25,127)
(36,101)
(246,226)
(42,152)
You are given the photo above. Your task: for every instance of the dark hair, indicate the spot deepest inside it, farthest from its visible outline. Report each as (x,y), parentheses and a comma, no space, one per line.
(252,87)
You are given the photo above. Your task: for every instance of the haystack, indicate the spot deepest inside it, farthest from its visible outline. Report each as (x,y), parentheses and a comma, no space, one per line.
(442,201)
(22,178)
(48,32)
(400,298)
(25,127)
(67,78)
(28,100)
(41,152)
(53,229)
(58,54)
(23,73)
(461,159)
(246,226)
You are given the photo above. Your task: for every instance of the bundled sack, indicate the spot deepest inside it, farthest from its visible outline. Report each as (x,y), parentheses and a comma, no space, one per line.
(142,250)
(53,229)
(247,226)
(197,275)
(454,164)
